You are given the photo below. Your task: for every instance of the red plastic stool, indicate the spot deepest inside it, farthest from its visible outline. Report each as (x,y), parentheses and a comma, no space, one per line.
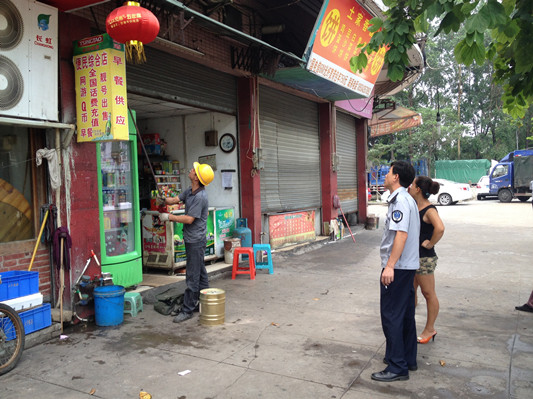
(240,269)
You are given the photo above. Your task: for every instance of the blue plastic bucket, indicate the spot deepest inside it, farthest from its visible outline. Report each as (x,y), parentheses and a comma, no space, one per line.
(109,305)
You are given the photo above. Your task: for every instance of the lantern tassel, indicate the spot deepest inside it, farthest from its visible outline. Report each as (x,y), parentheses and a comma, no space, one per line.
(135,52)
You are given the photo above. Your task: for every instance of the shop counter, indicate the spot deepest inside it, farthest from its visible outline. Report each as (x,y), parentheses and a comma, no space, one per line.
(163,245)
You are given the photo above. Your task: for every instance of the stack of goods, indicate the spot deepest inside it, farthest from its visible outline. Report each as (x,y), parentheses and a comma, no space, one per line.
(20,290)
(153,144)
(165,192)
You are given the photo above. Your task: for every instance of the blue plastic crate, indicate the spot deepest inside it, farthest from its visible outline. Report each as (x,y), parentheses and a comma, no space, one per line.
(18,283)
(33,320)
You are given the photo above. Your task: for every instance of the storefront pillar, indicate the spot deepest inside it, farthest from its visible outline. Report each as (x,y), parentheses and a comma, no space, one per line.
(79,198)
(326,114)
(250,178)
(361,126)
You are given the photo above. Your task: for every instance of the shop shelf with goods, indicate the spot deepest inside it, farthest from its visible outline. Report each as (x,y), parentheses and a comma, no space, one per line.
(167,186)
(167,179)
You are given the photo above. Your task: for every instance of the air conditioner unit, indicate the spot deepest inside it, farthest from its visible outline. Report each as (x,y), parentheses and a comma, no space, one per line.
(28,60)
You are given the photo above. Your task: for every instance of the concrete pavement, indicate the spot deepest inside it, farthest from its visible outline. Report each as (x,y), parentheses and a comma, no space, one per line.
(312,329)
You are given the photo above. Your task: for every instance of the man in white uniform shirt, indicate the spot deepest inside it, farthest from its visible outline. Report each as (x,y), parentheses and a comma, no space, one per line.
(399,262)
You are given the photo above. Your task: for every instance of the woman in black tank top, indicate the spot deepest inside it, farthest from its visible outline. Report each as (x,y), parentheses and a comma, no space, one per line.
(431,231)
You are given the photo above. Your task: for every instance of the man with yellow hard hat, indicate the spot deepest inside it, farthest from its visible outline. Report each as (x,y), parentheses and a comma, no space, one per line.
(194,234)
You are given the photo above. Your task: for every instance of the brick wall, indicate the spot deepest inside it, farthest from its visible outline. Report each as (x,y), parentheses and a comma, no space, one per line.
(21,261)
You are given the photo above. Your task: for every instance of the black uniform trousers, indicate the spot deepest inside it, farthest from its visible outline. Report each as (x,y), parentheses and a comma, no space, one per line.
(398,321)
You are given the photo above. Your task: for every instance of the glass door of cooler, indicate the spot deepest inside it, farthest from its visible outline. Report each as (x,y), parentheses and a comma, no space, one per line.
(117,197)
(119,212)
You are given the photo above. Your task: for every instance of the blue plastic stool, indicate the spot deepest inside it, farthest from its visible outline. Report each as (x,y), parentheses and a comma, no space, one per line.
(133,303)
(263,265)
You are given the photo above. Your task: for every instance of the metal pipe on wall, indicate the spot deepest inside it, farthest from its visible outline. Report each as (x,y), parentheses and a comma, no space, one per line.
(60,163)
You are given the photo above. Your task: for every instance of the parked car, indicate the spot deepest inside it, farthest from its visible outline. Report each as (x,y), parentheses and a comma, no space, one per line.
(450,193)
(483,188)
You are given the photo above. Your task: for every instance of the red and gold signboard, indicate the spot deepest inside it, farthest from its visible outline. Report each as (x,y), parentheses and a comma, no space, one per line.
(388,127)
(101,94)
(342,27)
(290,228)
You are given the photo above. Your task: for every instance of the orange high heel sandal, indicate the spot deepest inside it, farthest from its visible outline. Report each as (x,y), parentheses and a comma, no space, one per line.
(426,340)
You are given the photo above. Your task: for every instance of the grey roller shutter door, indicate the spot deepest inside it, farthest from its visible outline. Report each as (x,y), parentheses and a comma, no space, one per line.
(289,130)
(347,170)
(177,80)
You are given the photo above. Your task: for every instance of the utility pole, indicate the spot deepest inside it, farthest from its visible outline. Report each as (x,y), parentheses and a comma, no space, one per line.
(459,111)
(438,115)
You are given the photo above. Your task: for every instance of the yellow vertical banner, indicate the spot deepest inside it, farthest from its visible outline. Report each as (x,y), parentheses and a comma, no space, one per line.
(101,93)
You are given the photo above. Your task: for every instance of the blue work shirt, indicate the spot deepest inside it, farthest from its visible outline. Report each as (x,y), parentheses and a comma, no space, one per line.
(402,215)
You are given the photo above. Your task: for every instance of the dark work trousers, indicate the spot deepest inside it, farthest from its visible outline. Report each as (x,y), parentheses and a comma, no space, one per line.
(398,322)
(195,275)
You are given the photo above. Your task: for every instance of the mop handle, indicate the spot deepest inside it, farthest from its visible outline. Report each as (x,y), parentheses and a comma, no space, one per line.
(38,239)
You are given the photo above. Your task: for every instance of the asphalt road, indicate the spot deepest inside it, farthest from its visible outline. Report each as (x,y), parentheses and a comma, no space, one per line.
(489,212)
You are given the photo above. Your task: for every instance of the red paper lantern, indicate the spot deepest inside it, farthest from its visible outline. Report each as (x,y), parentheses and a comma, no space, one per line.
(132,25)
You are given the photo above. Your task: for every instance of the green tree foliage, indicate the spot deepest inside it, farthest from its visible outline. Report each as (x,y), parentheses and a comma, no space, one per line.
(508,24)
(473,124)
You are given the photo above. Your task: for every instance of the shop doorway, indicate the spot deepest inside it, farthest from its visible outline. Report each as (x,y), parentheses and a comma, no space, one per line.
(176,135)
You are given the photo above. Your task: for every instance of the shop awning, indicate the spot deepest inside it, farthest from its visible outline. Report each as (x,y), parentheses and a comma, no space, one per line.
(70,5)
(297,76)
(303,80)
(391,119)
(35,123)
(227,30)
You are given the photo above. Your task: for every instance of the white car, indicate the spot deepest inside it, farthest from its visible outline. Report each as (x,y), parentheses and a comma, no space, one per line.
(483,188)
(449,193)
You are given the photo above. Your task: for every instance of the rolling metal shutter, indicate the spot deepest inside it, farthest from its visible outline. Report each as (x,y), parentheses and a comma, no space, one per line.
(174,79)
(289,132)
(347,170)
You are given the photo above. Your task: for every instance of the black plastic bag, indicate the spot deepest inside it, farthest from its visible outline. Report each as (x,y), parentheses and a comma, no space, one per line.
(169,302)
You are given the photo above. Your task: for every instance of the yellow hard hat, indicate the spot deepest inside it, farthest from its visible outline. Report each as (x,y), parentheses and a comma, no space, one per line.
(204,172)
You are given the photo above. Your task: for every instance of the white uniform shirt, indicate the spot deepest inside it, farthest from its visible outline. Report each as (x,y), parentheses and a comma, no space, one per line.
(402,215)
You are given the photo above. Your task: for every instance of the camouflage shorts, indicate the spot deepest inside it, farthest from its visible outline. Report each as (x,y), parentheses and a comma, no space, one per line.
(427,265)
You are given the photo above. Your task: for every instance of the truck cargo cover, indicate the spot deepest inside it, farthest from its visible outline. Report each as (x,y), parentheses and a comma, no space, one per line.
(523,170)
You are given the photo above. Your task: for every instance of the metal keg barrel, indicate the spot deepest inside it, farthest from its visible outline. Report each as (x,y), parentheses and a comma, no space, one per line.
(212,306)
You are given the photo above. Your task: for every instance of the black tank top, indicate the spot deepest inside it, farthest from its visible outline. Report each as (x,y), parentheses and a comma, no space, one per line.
(426,231)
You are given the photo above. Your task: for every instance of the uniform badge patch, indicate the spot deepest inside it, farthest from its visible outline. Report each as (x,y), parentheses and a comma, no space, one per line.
(397,216)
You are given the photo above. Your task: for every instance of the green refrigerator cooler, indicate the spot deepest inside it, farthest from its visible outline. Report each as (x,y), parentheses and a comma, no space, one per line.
(118,185)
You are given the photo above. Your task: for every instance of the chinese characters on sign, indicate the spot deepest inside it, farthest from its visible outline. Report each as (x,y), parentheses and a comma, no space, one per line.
(101,98)
(378,128)
(291,228)
(342,28)
(154,235)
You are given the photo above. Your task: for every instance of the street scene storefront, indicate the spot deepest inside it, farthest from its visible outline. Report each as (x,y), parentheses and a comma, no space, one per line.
(214,89)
